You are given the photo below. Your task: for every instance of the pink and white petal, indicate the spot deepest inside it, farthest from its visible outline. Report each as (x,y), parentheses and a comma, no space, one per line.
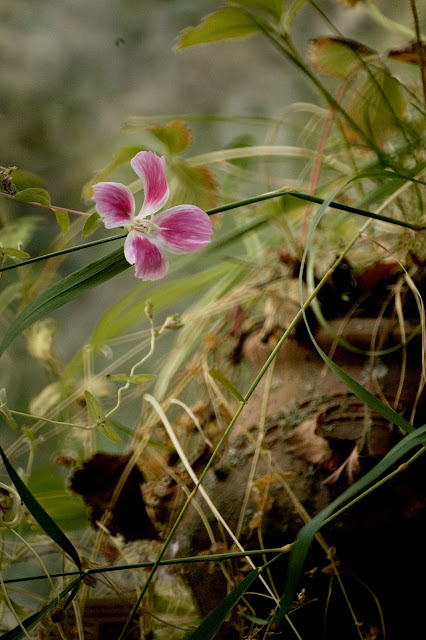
(150,261)
(114,203)
(184,228)
(152,171)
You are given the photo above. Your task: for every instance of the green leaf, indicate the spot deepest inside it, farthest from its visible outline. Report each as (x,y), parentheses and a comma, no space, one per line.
(227,384)
(15,253)
(176,136)
(123,156)
(62,218)
(273,8)
(34,194)
(39,514)
(135,379)
(228,22)
(211,625)
(337,57)
(93,222)
(109,432)
(97,417)
(25,179)
(94,409)
(306,535)
(66,290)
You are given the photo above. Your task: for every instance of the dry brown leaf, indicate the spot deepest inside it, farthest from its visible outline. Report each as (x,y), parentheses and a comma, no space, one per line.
(264,483)
(408,53)
(306,444)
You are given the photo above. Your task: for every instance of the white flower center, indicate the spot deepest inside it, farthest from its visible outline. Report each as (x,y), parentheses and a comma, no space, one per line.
(145,227)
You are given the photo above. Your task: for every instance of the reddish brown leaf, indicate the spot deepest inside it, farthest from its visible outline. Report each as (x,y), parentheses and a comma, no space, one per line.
(408,53)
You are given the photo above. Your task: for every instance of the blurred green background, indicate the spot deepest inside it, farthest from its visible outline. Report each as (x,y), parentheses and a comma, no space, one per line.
(73,71)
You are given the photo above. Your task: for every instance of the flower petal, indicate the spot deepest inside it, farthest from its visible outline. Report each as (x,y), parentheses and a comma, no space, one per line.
(151,169)
(150,261)
(114,203)
(184,228)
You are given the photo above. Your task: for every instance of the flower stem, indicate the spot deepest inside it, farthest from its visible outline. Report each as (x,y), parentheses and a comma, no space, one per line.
(235,205)
(55,422)
(47,206)
(64,251)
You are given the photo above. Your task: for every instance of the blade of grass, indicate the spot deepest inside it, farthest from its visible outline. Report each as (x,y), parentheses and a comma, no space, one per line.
(39,514)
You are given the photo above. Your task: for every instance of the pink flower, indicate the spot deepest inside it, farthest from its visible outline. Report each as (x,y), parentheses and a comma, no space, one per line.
(181,229)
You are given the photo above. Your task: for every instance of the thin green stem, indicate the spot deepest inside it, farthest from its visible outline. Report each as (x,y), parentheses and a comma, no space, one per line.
(154,334)
(217,557)
(55,422)
(241,203)
(64,251)
(46,206)
(358,212)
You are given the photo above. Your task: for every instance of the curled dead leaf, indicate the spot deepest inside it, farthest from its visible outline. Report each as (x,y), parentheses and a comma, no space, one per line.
(306,444)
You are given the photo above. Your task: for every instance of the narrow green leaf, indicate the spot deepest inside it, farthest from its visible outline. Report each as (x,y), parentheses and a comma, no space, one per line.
(228,22)
(66,290)
(97,417)
(135,379)
(306,535)
(39,514)
(17,633)
(15,253)
(227,384)
(94,409)
(62,218)
(108,431)
(211,625)
(41,196)
(92,223)
(365,396)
